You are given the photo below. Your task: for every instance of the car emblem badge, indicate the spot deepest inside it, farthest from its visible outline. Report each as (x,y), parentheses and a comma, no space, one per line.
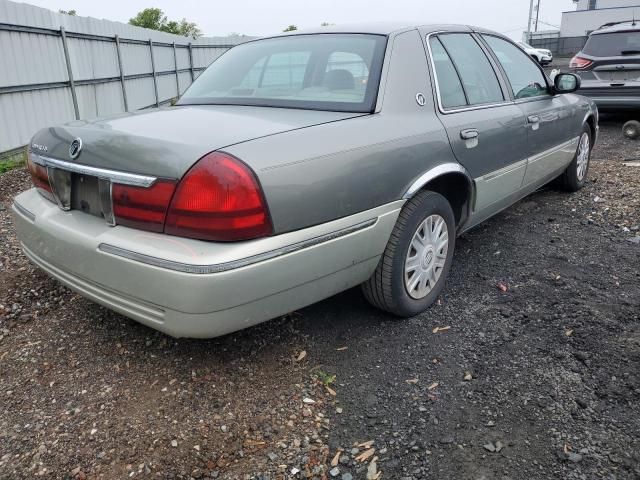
(420,99)
(75,148)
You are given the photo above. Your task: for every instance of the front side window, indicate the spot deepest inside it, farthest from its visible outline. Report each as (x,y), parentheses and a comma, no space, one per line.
(338,72)
(525,77)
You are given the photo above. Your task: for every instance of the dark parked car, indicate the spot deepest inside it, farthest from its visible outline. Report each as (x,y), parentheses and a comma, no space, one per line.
(609,66)
(299,166)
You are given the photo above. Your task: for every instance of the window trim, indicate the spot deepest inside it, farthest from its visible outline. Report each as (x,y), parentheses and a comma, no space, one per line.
(503,72)
(499,76)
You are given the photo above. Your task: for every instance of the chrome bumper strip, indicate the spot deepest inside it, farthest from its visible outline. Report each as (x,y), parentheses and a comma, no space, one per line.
(114,176)
(27,213)
(235,264)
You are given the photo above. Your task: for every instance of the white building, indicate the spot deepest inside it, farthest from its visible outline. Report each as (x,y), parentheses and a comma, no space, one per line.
(592,14)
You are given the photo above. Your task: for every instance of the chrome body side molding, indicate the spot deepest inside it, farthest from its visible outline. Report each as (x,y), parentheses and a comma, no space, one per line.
(235,264)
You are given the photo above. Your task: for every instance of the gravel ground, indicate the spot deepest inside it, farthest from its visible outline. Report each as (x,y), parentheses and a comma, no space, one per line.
(528,366)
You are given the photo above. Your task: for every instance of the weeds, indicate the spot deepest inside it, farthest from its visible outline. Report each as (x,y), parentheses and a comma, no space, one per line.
(326,378)
(14,160)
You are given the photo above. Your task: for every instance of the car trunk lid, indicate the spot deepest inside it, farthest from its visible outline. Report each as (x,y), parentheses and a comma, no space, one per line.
(87,164)
(166,142)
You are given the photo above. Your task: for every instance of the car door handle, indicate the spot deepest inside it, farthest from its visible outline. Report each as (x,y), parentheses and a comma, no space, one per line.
(533,119)
(469,134)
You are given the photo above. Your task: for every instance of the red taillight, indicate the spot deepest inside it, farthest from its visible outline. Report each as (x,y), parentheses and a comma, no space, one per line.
(142,208)
(39,174)
(579,63)
(218,199)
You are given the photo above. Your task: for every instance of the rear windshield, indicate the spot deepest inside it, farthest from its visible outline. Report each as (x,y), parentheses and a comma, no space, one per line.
(613,44)
(338,72)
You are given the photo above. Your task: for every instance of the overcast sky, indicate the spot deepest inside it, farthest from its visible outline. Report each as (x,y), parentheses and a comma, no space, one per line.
(263,17)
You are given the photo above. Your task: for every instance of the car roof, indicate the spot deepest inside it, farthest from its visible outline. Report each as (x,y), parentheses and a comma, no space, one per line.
(628,26)
(385,28)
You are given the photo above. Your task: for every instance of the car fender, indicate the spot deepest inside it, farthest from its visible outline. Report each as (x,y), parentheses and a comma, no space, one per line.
(592,111)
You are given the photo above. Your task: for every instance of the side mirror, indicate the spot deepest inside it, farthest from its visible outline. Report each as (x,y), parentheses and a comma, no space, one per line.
(566,83)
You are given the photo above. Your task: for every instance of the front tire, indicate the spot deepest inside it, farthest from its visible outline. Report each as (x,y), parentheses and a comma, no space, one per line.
(413,268)
(575,176)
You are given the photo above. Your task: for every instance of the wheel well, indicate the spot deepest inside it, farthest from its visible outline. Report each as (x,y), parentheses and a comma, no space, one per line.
(456,188)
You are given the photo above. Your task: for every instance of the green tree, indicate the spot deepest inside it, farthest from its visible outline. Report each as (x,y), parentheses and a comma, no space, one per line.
(73,13)
(155,19)
(290,28)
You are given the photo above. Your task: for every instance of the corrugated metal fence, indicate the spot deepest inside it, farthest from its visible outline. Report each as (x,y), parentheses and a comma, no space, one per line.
(560,46)
(55,68)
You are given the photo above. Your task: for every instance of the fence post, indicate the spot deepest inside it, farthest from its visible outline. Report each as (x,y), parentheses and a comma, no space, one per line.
(124,88)
(175,63)
(65,47)
(191,62)
(153,71)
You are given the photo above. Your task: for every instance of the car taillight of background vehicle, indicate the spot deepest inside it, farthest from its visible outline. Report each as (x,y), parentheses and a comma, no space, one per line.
(580,63)
(218,199)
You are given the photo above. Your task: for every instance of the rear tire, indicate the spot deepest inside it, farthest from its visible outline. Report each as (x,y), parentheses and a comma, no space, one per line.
(414,266)
(575,176)
(631,129)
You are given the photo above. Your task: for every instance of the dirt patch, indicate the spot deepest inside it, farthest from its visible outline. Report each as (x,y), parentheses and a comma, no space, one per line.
(539,381)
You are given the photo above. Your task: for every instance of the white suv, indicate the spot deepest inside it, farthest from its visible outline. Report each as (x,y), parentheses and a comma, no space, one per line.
(541,55)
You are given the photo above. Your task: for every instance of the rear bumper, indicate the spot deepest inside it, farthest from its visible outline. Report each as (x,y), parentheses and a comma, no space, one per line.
(613,98)
(615,103)
(189,288)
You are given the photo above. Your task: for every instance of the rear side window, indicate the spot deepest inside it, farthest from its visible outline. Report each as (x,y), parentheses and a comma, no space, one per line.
(449,85)
(525,77)
(478,77)
(613,44)
(465,76)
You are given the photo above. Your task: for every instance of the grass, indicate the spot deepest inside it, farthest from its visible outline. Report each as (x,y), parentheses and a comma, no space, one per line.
(326,378)
(15,159)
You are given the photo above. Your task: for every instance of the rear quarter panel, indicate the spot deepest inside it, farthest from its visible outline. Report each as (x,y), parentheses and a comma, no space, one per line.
(321,173)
